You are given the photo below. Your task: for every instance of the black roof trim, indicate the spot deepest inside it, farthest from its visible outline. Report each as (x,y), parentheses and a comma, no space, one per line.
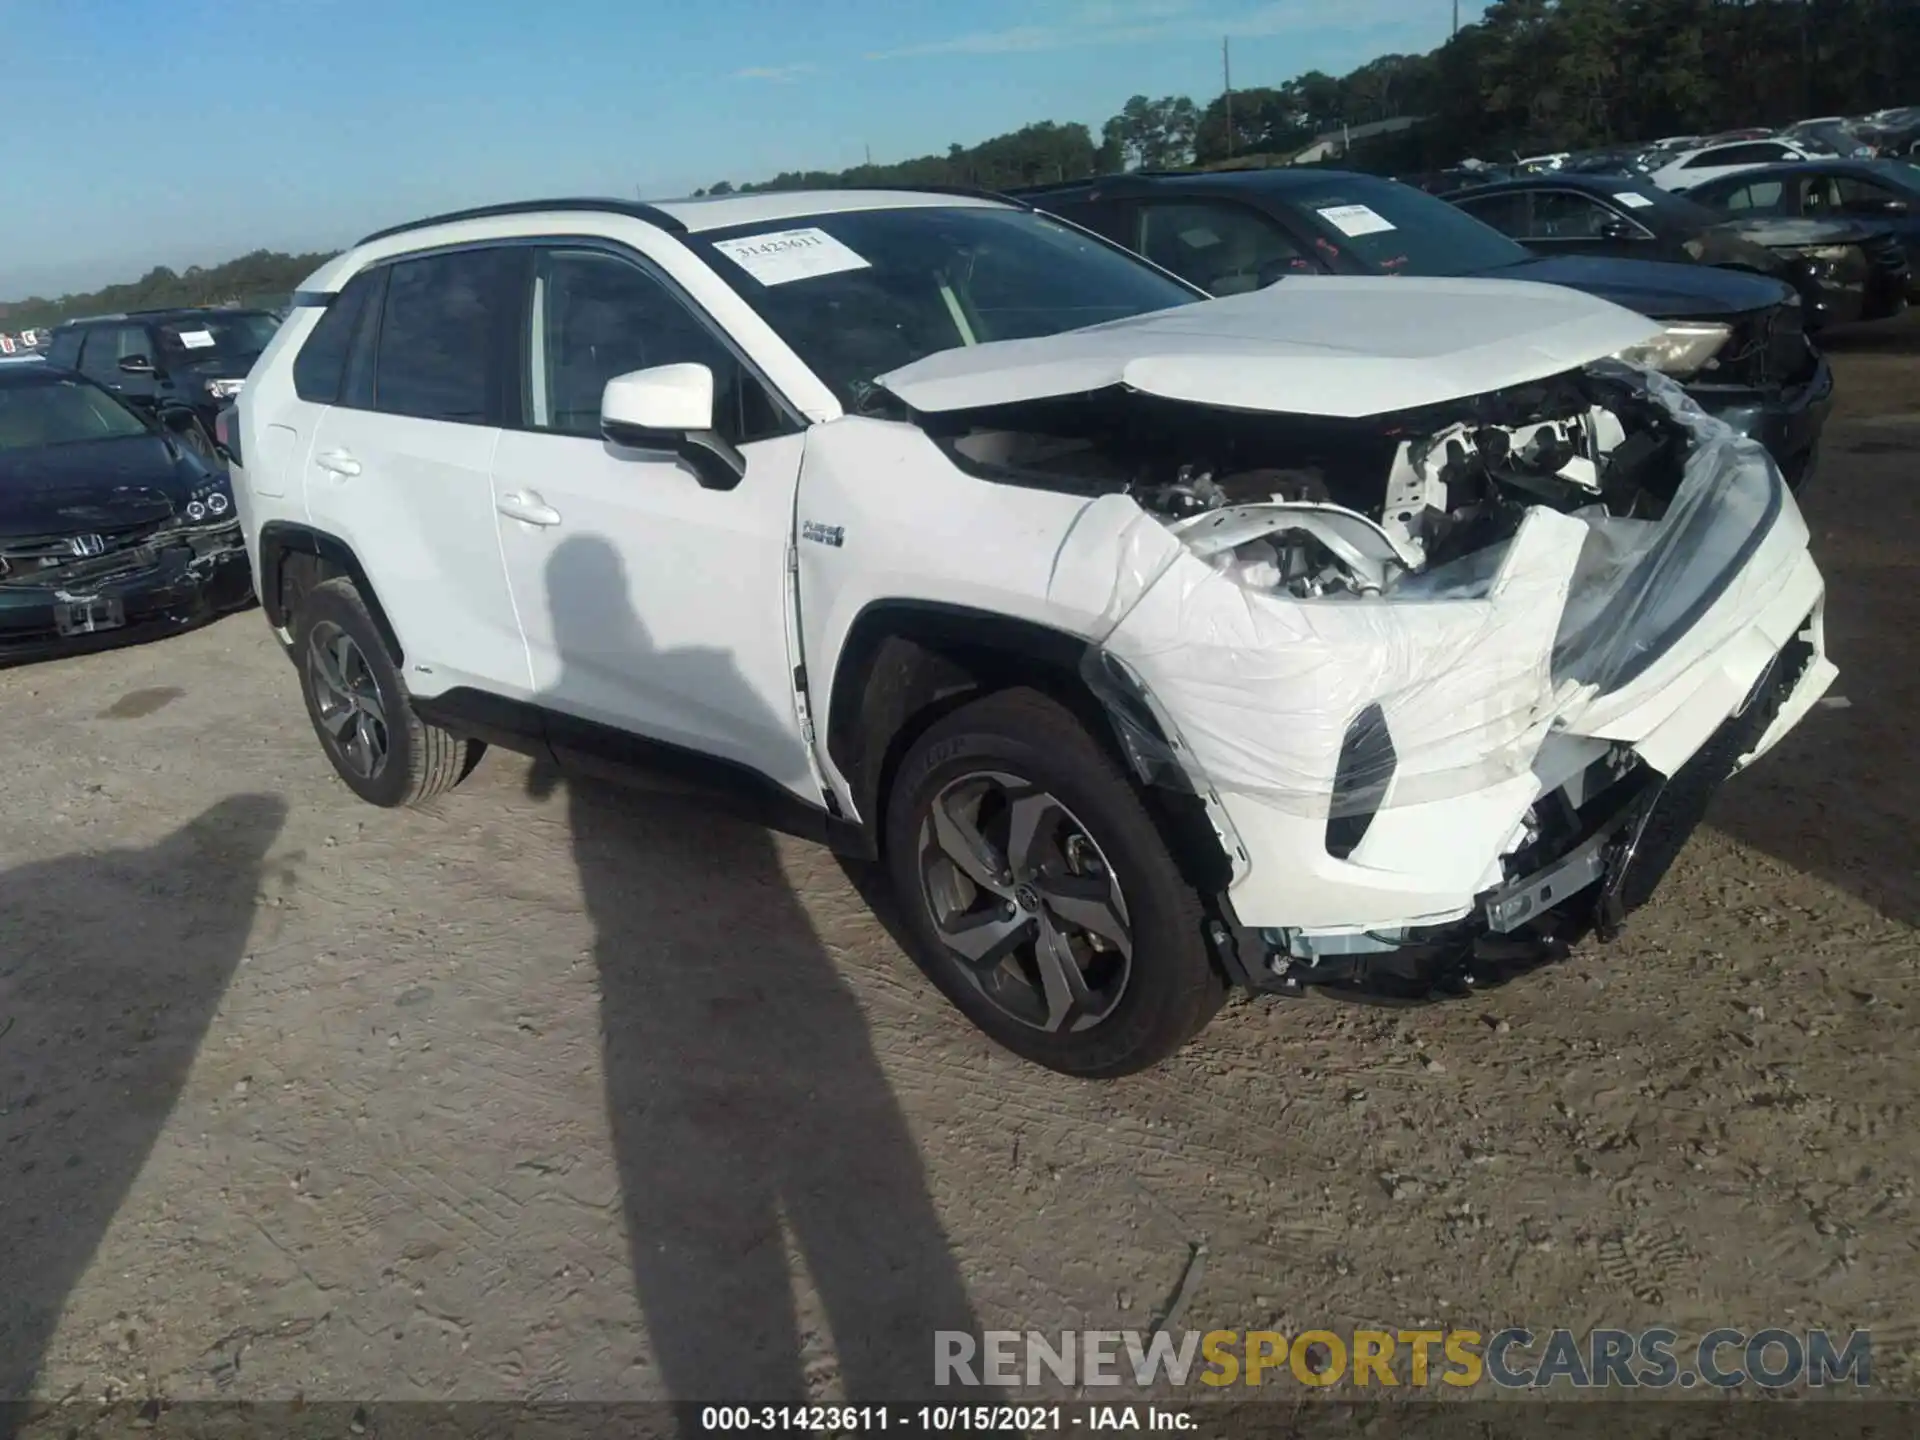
(633,209)
(654,215)
(115,315)
(972,192)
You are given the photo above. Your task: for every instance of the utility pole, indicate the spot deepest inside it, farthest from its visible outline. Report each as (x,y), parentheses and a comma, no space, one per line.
(1226,75)
(1456,19)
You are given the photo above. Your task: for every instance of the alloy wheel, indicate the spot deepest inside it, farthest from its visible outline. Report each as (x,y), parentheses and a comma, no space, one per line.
(347,699)
(1023,896)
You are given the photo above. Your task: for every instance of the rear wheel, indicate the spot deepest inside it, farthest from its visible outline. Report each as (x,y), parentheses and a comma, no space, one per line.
(386,753)
(1039,894)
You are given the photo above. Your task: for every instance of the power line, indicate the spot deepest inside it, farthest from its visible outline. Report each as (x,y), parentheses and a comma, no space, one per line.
(1226,75)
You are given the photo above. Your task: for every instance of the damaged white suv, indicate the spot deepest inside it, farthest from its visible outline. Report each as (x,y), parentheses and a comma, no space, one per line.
(1383,634)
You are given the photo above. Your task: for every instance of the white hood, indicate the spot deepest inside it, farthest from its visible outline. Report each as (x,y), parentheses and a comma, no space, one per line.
(1340,346)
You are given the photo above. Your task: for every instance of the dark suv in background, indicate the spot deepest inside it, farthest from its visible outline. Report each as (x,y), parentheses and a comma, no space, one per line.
(1736,341)
(155,359)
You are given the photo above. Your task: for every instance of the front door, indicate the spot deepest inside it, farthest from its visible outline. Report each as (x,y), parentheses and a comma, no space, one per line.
(106,346)
(652,606)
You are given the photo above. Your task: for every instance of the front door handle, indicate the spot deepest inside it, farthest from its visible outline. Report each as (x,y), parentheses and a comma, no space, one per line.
(528,506)
(337,462)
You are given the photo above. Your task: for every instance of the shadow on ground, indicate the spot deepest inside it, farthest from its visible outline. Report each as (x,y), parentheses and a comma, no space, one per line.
(111,968)
(1838,797)
(755,1133)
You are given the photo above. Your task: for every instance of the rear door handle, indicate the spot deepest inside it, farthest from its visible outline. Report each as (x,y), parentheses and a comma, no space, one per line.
(337,462)
(528,506)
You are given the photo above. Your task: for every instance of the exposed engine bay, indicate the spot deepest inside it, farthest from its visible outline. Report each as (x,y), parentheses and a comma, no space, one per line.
(1372,503)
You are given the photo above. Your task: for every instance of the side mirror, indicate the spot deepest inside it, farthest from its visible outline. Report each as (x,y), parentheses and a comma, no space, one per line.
(670,407)
(136,364)
(1616,230)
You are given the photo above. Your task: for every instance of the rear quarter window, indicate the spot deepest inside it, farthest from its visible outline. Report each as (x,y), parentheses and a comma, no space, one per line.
(65,349)
(322,362)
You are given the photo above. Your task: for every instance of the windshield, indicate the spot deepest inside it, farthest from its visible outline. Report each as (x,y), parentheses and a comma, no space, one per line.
(862,292)
(1394,229)
(61,412)
(216,337)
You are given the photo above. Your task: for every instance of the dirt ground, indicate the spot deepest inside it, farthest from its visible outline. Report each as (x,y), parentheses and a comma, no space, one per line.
(566,1096)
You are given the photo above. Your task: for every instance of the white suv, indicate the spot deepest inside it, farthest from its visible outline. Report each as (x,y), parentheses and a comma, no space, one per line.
(1374,633)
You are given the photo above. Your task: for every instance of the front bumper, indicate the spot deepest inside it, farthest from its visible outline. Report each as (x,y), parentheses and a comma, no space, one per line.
(1788,421)
(172,584)
(1392,774)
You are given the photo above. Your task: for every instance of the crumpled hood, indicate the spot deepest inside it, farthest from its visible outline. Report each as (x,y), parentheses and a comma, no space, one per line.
(1336,346)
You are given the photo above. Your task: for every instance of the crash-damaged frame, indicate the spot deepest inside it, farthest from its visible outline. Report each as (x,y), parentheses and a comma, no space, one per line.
(1474,669)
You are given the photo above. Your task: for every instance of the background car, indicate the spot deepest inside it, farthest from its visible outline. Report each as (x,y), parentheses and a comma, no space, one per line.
(1894,134)
(1832,135)
(1883,192)
(1695,167)
(1738,342)
(1839,266)
(111,529)
(198,358)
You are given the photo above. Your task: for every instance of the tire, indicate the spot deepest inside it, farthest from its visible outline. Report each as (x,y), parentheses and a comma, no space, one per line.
(1018,764)
(386,754)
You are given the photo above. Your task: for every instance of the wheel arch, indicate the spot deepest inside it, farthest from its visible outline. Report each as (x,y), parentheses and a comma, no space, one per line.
(280,542)
(906,664)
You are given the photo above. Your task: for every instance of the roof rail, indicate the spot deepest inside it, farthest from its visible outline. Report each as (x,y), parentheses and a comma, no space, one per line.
(634,209)
(978,192)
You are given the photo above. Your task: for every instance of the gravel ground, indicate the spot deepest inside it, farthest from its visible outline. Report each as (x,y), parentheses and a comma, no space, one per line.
(551,1094)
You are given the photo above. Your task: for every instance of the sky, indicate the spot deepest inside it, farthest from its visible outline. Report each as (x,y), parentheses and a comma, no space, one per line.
(190,132)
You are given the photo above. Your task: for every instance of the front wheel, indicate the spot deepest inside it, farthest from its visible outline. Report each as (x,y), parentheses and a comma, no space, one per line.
(1039,894)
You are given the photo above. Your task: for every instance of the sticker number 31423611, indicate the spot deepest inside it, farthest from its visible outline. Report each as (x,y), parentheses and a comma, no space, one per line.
(783,256)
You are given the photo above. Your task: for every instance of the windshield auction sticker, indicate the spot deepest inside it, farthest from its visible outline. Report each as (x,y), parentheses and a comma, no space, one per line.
(783,256)
(1353,220)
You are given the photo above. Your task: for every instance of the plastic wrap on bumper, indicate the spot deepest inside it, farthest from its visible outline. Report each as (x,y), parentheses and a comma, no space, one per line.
(1391,744)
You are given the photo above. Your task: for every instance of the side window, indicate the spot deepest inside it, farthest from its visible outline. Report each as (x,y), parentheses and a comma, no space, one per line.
(321,364)
(595,316)
(1224,249)
(1566,215)
(64,350)
(437,330)
(1756,197)
(1505,213)
(1861,197)
(1104,217)
(107,346)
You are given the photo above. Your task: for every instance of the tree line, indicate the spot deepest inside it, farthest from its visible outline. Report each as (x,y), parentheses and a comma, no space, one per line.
(1530,76)
(256,278)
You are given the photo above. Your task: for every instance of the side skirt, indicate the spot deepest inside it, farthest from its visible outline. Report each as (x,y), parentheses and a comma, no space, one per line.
(587,750)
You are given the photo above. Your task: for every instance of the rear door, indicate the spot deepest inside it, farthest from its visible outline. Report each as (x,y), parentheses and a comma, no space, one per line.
(400,466)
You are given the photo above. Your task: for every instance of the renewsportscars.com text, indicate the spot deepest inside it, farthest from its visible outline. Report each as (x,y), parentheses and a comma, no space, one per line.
(1513,1358)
